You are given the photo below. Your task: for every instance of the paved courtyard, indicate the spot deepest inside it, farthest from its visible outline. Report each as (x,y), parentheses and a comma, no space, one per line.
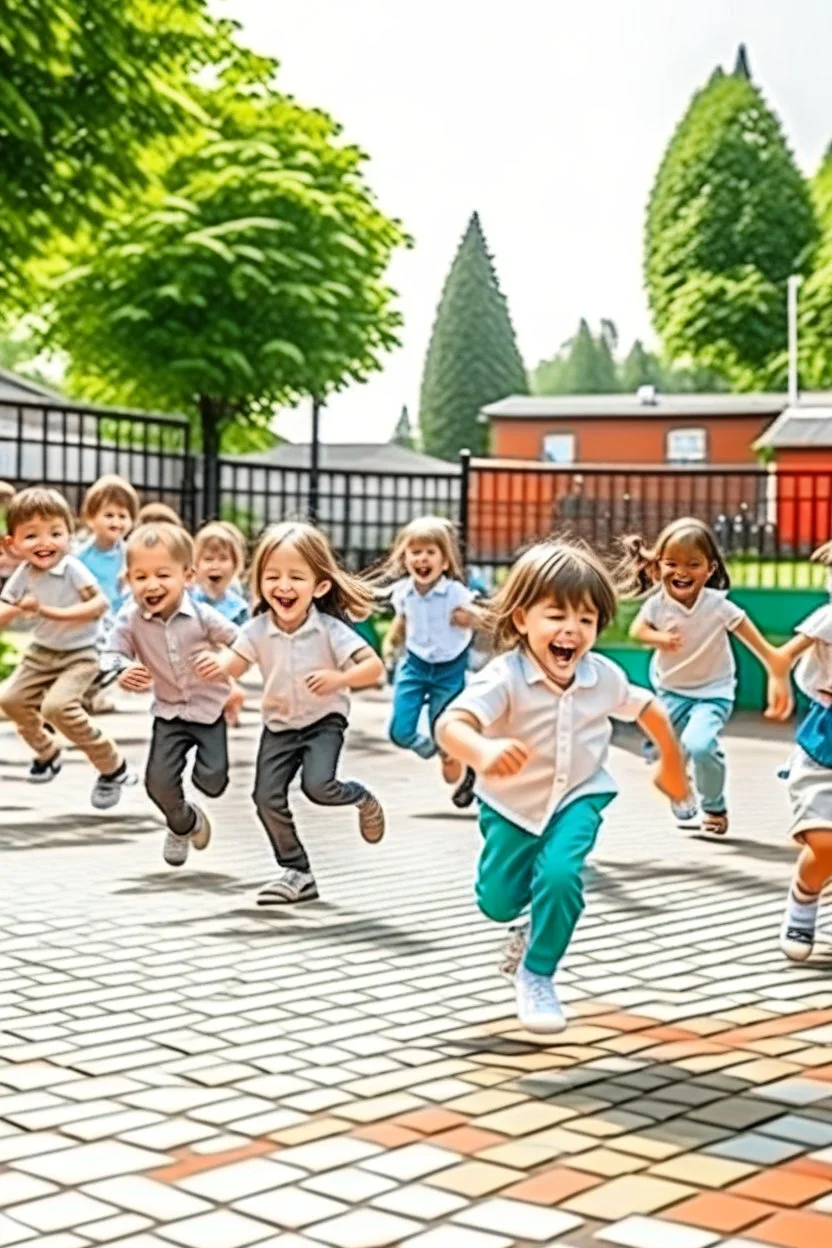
(178,1067)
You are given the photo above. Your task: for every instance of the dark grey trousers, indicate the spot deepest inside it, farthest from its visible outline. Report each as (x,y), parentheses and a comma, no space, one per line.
(170,745)
(313,751)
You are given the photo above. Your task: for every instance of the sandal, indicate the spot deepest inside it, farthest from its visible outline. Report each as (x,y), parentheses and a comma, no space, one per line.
(717,824)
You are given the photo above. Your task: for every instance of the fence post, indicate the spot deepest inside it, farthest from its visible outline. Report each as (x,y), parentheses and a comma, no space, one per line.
(209,420)
(314,461)
(464,485)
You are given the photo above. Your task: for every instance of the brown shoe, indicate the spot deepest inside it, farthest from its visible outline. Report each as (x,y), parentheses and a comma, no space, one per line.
(452,769)
(370,819)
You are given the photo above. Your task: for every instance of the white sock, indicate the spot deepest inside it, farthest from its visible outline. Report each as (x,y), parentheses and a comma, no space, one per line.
(802,907)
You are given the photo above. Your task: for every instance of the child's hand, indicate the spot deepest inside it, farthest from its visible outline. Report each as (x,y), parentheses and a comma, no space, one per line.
(671,779)
(29,604)
(232,708)
(136,679)
(461,617)
(503,756)
(325,681)
(670,640)
(207,665)
(780,698)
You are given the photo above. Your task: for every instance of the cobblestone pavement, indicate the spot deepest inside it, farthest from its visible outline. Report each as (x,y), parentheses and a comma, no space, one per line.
(178,1067)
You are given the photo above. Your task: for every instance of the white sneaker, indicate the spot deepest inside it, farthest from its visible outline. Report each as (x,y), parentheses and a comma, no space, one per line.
(514,949)
(175,851)
(291,886)
(796,942)
(538,1007)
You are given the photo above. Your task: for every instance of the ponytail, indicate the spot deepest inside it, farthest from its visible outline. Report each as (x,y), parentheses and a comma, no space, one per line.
(637,571)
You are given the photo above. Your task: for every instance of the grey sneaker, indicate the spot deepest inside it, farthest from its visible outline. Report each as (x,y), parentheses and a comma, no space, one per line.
(176,848)
(42,773)
(201,834)
(514,949)
(686,813)
(370,819)
(290,886)
(106,791)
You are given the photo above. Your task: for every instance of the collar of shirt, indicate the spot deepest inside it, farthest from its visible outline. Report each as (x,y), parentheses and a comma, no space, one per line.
(59,569)
(186,607)
(439,587)
(312,624)
(585,675)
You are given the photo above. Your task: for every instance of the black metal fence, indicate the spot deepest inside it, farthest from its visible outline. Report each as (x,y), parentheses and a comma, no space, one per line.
(768,522)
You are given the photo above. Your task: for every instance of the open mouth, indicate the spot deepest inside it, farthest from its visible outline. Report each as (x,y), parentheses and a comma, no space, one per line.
(284,604)
(43,554)
(215,578)
(152,601)
(681,583)
(563,655)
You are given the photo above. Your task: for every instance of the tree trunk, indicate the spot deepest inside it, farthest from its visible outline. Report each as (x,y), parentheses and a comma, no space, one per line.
(210,411)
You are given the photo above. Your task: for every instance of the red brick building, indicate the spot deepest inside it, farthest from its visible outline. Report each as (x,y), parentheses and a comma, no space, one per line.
(799,443)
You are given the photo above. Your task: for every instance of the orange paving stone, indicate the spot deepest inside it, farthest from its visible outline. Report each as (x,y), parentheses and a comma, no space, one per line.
(821,1072)
(783,1187)
(780,1026)
(622,1022)
(718,1211)
(431,1121)
(667,1034)
(809,1165)
(387,1134)
(796,1229)
(190,1163)
(468,1139)
(550,1187)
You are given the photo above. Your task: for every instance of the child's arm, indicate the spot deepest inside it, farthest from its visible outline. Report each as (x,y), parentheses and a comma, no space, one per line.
(776,662)
(395,636)
(669,639)
(780,699)
(470,616)
(214,664)
(9,611)
(367,669)
(671,775)
(92,605)
(459,733)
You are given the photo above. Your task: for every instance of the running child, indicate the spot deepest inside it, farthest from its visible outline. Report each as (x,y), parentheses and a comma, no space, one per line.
(219,561)
(309,659)
(47,689)
(535,726)
(687,619)
(162,642)
(8,562)
(810,777)
(435,622)
(159,513)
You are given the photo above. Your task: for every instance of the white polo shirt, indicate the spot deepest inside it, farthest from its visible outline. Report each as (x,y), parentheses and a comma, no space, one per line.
(430,635)
(814,671)
(286,659)
(567,731)
(60,586)
(704,667)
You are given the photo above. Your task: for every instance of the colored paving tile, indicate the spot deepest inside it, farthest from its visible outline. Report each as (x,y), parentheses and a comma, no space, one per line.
(719,1211)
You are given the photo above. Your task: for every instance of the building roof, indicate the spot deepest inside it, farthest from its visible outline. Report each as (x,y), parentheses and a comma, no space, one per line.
(628,406)
(13,388)
(370,457)
(798,427)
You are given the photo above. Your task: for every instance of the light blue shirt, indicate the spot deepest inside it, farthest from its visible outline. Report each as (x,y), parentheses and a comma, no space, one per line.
(232,605)
(107,566)
(429,633)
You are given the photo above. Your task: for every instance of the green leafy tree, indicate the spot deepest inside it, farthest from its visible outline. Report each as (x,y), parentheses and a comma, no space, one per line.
(84,86)
(640,368)
(729,219)
(251,274)
(584,365)
(403,433)
(816,293)
(472,358)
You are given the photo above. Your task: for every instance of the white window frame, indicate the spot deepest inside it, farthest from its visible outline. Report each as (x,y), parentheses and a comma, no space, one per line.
(566,437)
(685,457)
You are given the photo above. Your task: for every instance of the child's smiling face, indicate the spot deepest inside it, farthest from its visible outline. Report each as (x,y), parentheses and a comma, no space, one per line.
(558,635)
(42,541)
(157,579)
(110,524)
(288,586)
(684,569)
(425,562)
(216,568)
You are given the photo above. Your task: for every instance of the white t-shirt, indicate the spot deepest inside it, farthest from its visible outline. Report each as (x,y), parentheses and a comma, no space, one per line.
(567,731)
(704,667)
(814,671)
(60,586)
(429,634)
(286,659)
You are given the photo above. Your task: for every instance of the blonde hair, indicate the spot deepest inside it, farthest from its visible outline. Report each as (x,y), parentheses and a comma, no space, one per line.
(638,572)
(159,513)
(38,500)
(347,598)
(107,490)
(7,493)
(227,537)
(823,554)
(175,540)
(434,529)
(569,573)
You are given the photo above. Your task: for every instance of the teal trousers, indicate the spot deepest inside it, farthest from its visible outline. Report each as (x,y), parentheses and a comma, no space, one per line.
(544,873)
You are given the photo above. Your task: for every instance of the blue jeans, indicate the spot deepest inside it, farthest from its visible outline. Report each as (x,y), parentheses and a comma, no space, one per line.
(416,684)
(698,723)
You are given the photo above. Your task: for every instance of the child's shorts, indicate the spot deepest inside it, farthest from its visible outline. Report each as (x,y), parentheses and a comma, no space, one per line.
(810,793)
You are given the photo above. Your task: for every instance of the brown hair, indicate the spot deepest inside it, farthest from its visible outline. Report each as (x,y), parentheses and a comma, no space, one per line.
(567,572)
(173,537)
(38,500)
(159,513)
(638,571)
(219,534)
(347,598)
(434,529)
(107,490)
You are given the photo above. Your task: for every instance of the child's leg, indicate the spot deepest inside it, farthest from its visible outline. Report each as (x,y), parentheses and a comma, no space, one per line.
(63,708)
(322,743)
(504,871)
(700,741)
(447,682)
(21,698)
(210,773)
(557,881)
(812,872)
(170,744)
(409,694)
(278,761)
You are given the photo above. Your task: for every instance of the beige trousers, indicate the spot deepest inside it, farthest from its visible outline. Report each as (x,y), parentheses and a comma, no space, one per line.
(48,686)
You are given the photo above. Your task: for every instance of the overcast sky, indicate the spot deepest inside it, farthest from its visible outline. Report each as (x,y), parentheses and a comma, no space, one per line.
(547,116)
